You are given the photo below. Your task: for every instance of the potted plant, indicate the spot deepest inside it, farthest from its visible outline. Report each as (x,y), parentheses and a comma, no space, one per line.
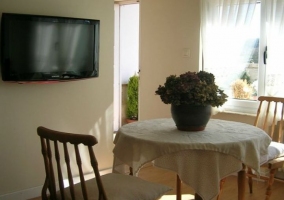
(132,99)
(194,92)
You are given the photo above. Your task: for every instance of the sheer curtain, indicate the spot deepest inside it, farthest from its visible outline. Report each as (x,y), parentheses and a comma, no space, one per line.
(273,15)
(225,32)
(274,18)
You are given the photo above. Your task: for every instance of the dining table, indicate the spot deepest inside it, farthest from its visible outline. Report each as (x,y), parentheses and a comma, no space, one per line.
(201,159)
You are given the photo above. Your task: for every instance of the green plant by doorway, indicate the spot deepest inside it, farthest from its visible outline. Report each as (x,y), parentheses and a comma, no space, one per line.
(132,98)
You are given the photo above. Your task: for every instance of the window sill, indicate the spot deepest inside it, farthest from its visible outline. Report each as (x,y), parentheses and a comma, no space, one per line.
(239,113)
(244,107)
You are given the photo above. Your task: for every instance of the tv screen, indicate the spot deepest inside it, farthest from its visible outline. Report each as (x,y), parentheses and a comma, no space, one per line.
(48,48)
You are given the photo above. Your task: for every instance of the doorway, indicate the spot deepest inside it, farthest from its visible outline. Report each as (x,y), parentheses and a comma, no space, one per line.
(126,54)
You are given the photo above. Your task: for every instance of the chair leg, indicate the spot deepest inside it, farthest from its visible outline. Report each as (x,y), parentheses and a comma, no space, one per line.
(269,184)
(250,180)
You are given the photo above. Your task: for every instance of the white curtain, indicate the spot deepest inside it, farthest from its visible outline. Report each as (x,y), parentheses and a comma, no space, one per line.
(274,18)
(274,26)
(225,32)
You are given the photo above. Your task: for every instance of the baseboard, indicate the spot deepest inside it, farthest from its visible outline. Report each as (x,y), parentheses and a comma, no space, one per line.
(23,194)
(36,191)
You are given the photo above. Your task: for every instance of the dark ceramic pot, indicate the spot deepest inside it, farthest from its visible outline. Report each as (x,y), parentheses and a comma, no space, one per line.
(190,117)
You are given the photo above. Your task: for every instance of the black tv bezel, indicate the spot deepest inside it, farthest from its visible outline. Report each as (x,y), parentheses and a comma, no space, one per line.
(43,76)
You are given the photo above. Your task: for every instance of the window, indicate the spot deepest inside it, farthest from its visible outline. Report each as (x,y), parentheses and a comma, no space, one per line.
(235,35)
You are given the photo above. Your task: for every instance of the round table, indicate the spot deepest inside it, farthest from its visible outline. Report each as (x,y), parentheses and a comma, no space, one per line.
(201,159)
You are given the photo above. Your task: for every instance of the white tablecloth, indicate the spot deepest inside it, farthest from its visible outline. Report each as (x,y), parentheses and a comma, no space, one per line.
(201,159)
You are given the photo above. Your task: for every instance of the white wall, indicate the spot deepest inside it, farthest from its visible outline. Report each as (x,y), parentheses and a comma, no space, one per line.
(167,30)
(84,106)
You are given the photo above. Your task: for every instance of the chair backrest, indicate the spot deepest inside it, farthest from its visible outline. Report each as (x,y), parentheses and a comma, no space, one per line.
(270,116)
(55,140)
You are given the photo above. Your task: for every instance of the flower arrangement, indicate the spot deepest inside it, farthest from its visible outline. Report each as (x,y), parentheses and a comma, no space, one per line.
(192,88)
(242,89)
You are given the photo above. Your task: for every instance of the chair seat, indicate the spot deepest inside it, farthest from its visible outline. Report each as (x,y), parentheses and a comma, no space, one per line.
(115,186)
(275,150)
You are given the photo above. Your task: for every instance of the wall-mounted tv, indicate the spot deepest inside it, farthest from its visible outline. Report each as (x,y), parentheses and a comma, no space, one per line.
(48,48)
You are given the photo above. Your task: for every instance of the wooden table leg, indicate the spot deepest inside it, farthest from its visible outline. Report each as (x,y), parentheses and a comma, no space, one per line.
(130,171)
(197,197)
(178,192)
(178,188)
(241,183)
(222,182)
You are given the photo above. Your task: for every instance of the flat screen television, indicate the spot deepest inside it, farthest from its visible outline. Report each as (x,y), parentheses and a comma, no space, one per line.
(48,48)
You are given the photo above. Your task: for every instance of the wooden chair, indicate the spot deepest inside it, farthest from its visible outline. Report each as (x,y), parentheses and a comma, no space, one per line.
(110,186)
(267,119)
